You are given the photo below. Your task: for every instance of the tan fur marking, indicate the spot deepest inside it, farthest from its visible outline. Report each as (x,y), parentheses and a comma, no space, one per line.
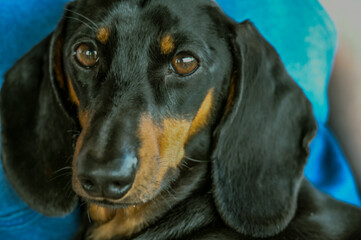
(148,155)
(177,133)
(130,220)
(203,113)
(72,94)
(126,222)
(101,214)
(161,148)
(75,181)
(173,139)
(167,44)
(79,143)
(103,35)
(83,117)
(166,143)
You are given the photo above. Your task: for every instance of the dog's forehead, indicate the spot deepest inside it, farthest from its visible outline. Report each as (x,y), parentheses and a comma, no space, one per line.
(128,17)
(137,43)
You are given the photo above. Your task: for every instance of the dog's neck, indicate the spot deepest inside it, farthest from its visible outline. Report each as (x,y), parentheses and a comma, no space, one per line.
(125,222)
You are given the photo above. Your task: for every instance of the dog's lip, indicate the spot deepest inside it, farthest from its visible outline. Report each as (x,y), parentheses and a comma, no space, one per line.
(111,204)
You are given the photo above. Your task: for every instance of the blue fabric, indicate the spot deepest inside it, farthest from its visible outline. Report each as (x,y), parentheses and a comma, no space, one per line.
(18,221)
(23,23)
(300,30)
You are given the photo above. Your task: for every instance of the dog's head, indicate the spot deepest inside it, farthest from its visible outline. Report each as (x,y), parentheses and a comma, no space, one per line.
(124,96)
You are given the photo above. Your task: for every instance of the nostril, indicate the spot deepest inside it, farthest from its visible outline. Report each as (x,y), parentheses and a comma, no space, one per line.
(118,186)
(116,189)
(110,179)
(88,185)
(105,187)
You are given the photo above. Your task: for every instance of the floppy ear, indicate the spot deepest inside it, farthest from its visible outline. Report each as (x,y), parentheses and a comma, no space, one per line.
(37,130)
(262,141)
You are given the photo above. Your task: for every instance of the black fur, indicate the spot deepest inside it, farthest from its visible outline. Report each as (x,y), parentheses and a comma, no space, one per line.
(35,143)
(242,173)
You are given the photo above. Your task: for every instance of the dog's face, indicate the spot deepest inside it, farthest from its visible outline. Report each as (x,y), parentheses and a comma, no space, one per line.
(144,99)
(147,82)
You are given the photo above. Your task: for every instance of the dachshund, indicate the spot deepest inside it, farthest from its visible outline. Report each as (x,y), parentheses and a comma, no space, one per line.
(170,121)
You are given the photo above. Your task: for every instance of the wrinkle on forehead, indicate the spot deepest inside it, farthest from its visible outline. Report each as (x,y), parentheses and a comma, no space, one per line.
(126,9)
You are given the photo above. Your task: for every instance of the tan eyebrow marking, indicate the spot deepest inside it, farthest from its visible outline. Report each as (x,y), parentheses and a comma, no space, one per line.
(103,35)
(167,44)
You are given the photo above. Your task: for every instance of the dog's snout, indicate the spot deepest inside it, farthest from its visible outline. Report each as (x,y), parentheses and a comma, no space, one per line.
(109,180)
(105,186)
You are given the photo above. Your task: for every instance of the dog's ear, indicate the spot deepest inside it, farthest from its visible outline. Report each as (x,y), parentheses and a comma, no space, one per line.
(37,130)
(262,142)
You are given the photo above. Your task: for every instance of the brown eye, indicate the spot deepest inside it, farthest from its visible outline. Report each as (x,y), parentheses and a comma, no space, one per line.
(86,55)
(184,64)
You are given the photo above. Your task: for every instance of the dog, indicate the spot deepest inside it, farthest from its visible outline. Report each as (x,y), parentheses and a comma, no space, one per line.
(171,121)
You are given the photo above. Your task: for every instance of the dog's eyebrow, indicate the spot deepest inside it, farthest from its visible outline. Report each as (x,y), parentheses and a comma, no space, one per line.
(167,44)
(103,34)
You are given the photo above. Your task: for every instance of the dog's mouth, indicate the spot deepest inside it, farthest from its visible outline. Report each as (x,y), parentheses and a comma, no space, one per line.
(136,197)
(106,203)
(103,210)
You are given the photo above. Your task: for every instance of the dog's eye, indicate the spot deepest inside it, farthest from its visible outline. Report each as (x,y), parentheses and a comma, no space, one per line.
(184,64)
(86,55)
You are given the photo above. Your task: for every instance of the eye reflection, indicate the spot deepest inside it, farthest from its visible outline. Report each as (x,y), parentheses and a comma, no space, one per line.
(86,55)
(184,64)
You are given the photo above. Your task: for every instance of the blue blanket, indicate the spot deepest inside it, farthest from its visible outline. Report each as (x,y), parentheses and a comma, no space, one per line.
(300,30)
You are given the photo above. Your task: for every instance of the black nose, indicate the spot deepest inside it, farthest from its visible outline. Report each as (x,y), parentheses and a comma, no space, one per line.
(100,184)
(111,179)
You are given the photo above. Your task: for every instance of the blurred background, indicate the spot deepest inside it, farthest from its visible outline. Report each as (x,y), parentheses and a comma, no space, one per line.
(344,88)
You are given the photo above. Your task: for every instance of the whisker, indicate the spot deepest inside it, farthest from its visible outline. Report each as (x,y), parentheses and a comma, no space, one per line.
(81,15)
(184,164)
(170,193)
(73,131)
(170,97)
(77,19)
(60,175)
(62,169)
(88,214)
(83,203)
(69,191)
(195,160)
(69,159)
(165,200)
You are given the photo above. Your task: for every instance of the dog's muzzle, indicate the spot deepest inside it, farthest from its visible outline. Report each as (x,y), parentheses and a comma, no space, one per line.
(107,180)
